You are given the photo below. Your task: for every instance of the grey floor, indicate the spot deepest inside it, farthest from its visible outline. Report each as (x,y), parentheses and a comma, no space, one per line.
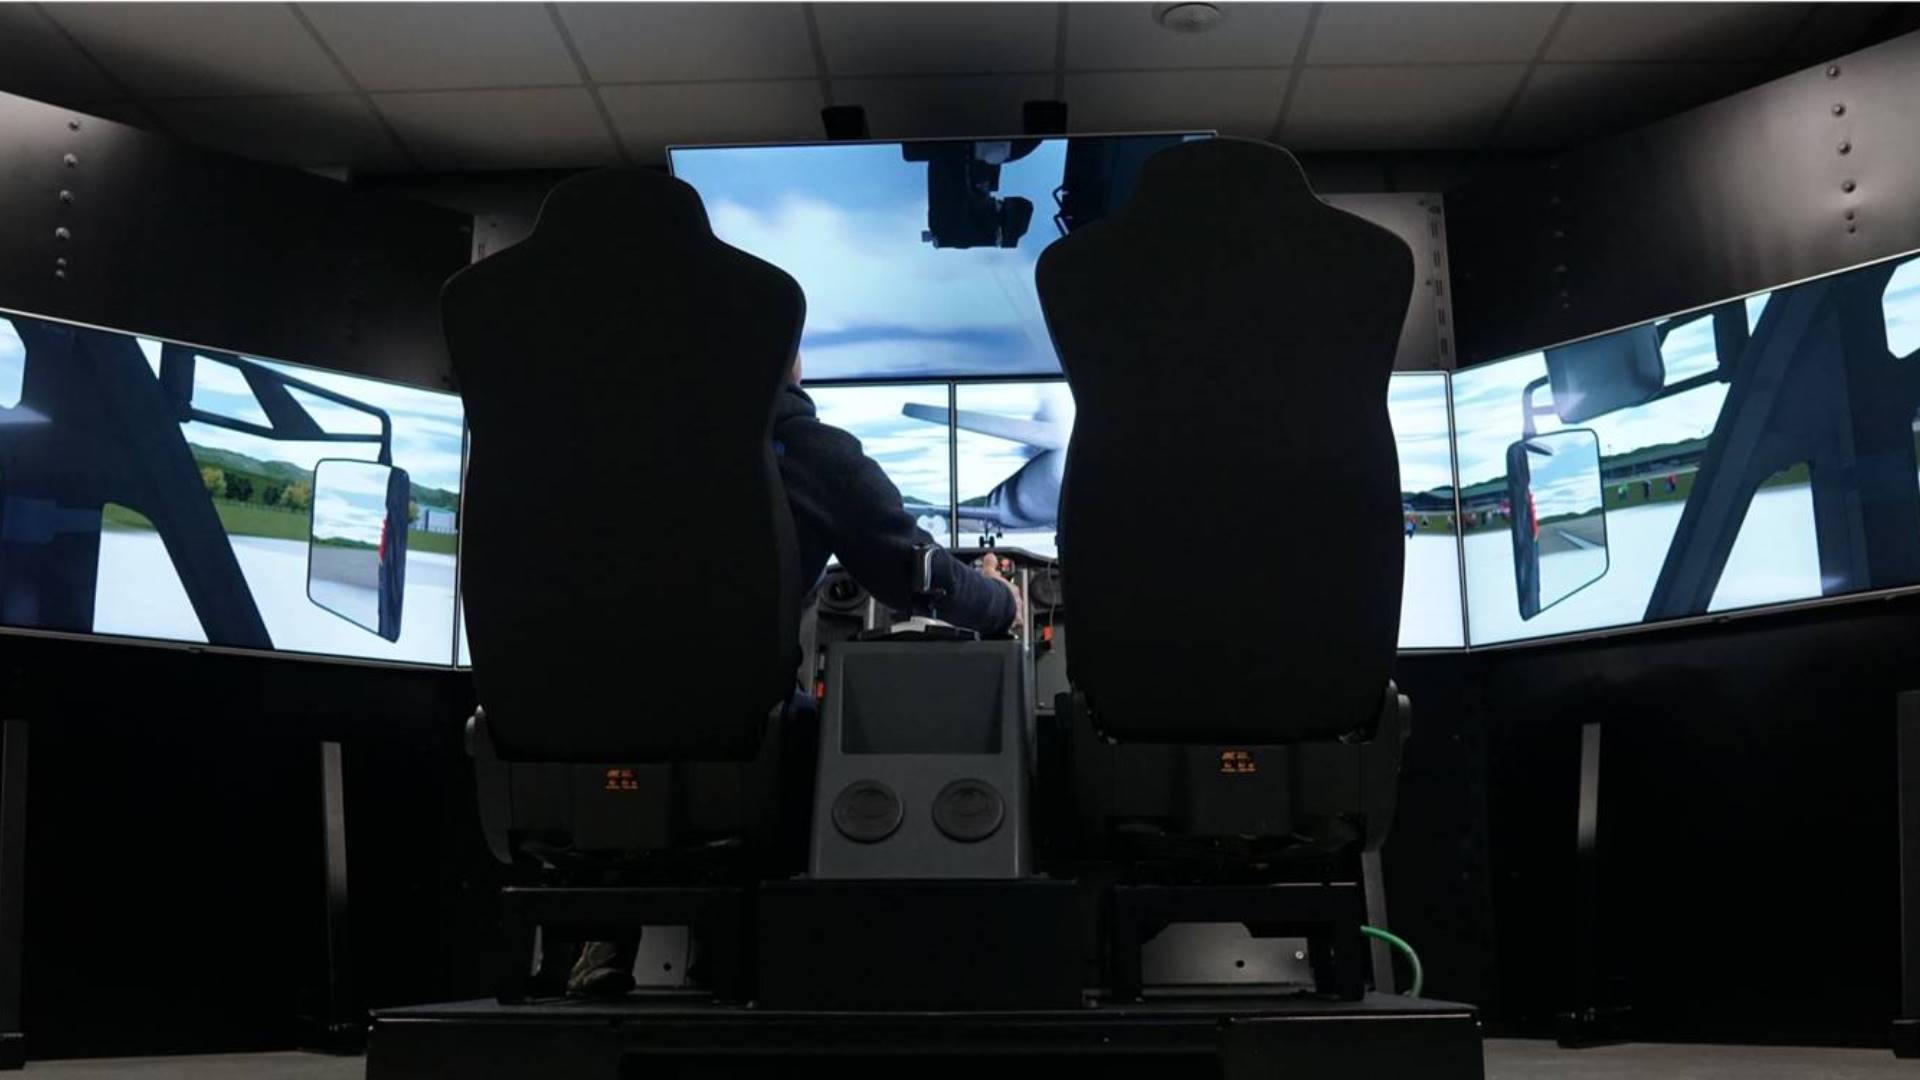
(1507,1059)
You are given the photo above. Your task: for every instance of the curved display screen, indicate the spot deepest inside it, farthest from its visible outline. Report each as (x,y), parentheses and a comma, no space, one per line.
(1756,452)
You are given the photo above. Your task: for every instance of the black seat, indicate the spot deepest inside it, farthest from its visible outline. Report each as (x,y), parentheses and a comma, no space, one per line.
(1228,338)
(629,572)
(1231,725)
(626,530)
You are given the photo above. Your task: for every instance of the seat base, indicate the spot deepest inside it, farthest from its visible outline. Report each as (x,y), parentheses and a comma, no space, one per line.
(661,1035)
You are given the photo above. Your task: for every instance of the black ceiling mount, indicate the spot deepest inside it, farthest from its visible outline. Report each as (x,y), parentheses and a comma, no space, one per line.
(845,123)
(1044,117)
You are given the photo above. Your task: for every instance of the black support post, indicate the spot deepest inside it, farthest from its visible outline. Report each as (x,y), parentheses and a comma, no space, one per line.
(1906,1029)
(339,1025)
(13,859)
(1590,1021)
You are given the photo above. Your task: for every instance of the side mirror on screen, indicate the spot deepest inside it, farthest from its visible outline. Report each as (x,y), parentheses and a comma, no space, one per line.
(1613,371)
(1559,518)
(357,549)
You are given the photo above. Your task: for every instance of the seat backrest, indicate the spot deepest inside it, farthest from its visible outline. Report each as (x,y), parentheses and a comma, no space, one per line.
(628,559)
(1230,530)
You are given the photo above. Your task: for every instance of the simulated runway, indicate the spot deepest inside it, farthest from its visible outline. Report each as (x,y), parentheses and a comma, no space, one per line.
(139,594)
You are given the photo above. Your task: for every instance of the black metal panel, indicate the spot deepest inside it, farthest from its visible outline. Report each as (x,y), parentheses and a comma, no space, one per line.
(114,226)
(1807,174)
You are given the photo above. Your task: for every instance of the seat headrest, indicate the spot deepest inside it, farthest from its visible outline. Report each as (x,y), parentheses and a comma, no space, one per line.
(1228,338)
(624,526)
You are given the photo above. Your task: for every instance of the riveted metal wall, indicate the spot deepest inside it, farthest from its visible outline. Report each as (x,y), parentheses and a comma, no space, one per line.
(1419,218)
(109,225)
(1807,174)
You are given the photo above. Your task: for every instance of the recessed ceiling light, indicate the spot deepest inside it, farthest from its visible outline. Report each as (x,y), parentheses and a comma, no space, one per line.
(1188,18)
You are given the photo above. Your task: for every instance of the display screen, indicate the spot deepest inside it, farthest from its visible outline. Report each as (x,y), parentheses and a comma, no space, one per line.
(157,490)
(1430,589)
(917,258)
(903,428)
(1012,442)
(1756,452)
(1009,441)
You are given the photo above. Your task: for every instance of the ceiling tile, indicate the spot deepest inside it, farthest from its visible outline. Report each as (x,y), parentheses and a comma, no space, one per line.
(1399,108)
(937,39)
(410,46)
(38,61)
(489,129)
(1110,36)
(326,129)
(1568,104)
(202,50)
(1233,102)
(978,105)
(1677,31)
(1430,33)
(651,118)
(672,42)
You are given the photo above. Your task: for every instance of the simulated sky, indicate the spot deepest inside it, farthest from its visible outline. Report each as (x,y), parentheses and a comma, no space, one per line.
(1417,406)
(986,460)
(1487,403)
(912,452)
(350,502)
(426,423)
(846,222)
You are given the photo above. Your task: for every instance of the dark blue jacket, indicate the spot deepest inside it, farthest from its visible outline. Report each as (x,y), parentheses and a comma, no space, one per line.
(844,505)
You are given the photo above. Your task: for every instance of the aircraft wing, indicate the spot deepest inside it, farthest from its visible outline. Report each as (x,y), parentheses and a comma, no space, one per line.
(988,515)
(1039,434)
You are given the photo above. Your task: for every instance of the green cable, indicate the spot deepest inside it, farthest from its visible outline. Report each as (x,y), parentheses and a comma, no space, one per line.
(1413,958)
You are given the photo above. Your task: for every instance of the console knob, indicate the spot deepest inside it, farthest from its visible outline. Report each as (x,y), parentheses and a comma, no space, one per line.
(1043,589)
(841,594)
(968,810)
(867,812)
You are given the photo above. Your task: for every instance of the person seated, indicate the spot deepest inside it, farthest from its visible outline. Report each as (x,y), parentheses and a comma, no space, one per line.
(843,507)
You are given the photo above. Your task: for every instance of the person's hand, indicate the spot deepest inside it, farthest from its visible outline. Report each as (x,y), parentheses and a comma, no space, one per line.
(990,568)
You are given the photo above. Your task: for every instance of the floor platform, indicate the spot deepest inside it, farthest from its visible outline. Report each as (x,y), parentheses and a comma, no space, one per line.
(1507,1059)
(657,1037)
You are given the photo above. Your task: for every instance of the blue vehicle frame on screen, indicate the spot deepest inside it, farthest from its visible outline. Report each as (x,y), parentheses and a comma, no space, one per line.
(95,440)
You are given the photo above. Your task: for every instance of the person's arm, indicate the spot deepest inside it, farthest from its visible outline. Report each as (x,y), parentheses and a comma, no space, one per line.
(838,492)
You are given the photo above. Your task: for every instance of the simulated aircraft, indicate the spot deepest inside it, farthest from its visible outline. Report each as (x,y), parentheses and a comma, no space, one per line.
(1030,498)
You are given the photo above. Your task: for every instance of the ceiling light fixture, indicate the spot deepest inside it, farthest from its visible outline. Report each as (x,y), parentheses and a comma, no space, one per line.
(1188,18)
